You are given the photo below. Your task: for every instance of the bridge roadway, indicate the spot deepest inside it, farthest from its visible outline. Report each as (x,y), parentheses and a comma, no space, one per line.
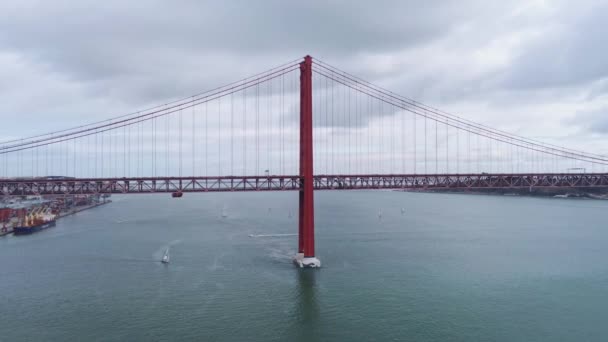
(64,186)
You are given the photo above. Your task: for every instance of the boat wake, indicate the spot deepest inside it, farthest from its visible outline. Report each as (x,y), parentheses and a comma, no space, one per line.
(121,259)
(216,263)
(270,235)
(161,251)
(174,242)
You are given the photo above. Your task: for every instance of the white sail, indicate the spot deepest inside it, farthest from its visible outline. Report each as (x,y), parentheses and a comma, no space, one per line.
(165,258)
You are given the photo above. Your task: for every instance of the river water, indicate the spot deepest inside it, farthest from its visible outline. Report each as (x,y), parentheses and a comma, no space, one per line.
(450,268)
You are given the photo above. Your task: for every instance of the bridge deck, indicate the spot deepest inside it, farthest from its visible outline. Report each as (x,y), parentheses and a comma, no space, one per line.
(20,187)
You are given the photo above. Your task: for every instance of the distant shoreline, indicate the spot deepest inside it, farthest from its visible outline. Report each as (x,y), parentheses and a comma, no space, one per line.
(589,193)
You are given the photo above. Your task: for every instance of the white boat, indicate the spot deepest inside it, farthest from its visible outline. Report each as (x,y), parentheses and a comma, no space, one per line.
(165,259)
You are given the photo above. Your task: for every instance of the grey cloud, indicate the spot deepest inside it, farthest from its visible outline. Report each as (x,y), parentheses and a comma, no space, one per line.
(573,53)
(593,121)
(123,42)
(90,60)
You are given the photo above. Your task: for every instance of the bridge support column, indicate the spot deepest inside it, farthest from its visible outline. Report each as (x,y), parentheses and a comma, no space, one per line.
(306,224)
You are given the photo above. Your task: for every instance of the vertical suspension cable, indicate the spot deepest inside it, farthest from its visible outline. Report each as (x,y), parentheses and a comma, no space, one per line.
(469,151)
(141,148)
(478,152)
(343,148)
(245,131)
(402,115)
(167,134)
(193,141)
(37,161)
(490,154)
(96,153)
(32,162)
(138,149)
(282,155)
(232,134)
(392,114)
(381,135)
(65,143)
(111,157)
(129,158)
(436,149)
(369,135)
(414,127)
(73,158)
(499,167)
(315,132)
(102,155)
(154,149)
(143,157)
(257,128)
(219,136)
(347,99)
(181,136)
(356,130)
(124,151)
(457,151)
(425,143)
(333,150)
(283,126)
(144,143)
(76,146)
(268,124)
(206,139)
(447,145)
(20,161)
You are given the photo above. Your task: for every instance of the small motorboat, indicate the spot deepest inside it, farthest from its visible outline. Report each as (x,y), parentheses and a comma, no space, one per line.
(177,194)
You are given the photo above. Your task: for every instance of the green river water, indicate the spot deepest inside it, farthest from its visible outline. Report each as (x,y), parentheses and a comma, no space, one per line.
(450,268)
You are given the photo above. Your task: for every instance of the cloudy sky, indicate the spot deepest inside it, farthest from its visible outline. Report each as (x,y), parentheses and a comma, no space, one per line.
(532,67)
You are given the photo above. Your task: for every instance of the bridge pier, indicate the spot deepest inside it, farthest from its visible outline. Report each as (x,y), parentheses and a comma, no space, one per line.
(306,223)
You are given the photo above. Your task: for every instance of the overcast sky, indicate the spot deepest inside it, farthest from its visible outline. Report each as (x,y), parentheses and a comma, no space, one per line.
(537,68)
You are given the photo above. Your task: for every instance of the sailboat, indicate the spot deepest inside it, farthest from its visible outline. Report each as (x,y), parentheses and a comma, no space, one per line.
(165,259)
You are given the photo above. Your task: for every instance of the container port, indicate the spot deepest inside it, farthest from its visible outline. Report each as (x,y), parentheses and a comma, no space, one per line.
(29,214)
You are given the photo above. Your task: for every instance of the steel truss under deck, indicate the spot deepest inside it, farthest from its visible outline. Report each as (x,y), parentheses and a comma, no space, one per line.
(22,187)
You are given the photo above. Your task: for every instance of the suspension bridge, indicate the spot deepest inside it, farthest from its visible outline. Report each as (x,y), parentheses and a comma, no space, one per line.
(301,126)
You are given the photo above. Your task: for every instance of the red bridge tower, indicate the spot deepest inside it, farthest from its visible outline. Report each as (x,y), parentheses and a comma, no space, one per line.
(306,232)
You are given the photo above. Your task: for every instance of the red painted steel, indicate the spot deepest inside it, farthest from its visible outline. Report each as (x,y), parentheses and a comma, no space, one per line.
(306,228)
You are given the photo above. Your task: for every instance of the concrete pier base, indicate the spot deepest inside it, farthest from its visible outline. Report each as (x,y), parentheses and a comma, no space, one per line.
(306,262)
